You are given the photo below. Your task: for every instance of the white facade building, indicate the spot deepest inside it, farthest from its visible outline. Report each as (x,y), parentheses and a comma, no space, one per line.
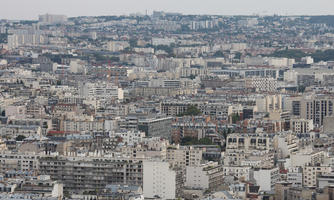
(101,91)
(266,178)
(159,180)
(52,19)
(262,84)
(301,125)
(209,175)
(295,176)
(130,137)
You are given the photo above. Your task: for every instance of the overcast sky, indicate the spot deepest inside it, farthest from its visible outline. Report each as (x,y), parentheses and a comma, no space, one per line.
(30,9)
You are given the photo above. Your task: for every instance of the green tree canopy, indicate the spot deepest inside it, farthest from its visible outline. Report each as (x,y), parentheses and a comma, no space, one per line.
(192,110)
(20,138)
(195,141)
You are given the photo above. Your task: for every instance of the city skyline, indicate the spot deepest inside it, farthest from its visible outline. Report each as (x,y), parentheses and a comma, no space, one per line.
(73,8)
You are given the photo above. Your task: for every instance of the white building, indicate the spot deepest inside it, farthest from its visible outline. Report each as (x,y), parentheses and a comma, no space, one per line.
(183,156)
(266,178)
(281,62)
(311,173)
(241,173)
(206,176)
(52,19)
(162,41)
(301,125)
(101,91)
(295,176)
(286,144)
(305,157)
(130,137)
(116,46)
(25,37)
(262,84)
(325,180)
(269,103)
(159,180)
(307,60)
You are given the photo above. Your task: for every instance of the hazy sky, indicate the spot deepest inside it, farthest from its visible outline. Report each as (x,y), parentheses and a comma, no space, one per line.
(29,9)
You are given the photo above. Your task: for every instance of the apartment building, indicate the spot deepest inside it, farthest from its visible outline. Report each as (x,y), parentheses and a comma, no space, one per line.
(215,110)
(101,90)
(244,173)
(18,161)
(311,174)
(262,84)
(249,142)
(295,176)
(206,176)
(175,108)
(84,174)
(129,137)
(82,126)
(286,144)
(307,157)
(316,108)
(269,103)
(156,127)
(184,156)
(301,125)
(266,178)
(161,181)
(52,19)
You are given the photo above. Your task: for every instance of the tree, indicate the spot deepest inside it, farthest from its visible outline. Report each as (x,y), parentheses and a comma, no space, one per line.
(194,141)
(20,138)
(192,110)
(235,118)
(192,76)
(133,42)
(289,53)
(114,59)
(205,141)
(218,54)
(301,88)
(3,37)
(237,55)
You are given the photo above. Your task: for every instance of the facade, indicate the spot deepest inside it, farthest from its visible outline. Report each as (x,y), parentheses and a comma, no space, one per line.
(156,127)
(249,142)
(325,180)
(287,144)
(206,176)
(19,162)
(160,180)
(174,108)
(101,91)
(244,173)
(316,109)
(311,173)
(184,156)
(266,178)
(52,19)
(84,174)
(129,137)
(72,126)
(295,176)
(301,125)
(262,84)
(308,157)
